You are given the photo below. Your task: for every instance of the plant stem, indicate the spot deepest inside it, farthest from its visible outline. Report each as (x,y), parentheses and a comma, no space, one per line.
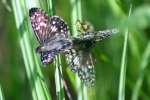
(38,86)
(77,15)
(1,94)
(121,92)
(57,63)
(58,79)
(51,8)
(143,65)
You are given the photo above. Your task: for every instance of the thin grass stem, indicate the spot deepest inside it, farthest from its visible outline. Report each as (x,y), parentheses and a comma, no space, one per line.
(38,86)
(57,63)
(51,8)
(1,94)
(143,65)
(76,14)
(58,79)
(121,91)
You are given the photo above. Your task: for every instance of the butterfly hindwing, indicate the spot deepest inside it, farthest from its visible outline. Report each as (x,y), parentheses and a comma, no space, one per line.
(81,62)
(57,26)
(86,70)
(47,56)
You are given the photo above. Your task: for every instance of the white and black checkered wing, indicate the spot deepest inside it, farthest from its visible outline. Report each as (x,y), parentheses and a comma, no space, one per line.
(97,35)
(81,62)
(47,27)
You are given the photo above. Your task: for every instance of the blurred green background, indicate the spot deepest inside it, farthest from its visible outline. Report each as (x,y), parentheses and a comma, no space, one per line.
(103,14)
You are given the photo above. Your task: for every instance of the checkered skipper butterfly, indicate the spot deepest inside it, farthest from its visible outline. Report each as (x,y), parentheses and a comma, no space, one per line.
(51,32)
(79,57)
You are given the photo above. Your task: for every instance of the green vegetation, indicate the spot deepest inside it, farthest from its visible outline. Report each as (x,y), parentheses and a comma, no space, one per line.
(121,61)
(1,94)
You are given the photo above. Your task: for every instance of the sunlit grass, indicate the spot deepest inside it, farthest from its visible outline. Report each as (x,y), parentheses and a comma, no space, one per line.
(57,63)
(143,65)
(1,94)
(38,86)
(122,80)
(76,14)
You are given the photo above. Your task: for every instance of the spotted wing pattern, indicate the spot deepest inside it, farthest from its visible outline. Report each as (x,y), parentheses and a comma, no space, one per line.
(46,27)
(80,59)
(97,35)
(47,56)
(82,63)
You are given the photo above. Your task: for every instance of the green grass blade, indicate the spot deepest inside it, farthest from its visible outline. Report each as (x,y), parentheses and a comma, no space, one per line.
(1,94)
(76,14)
(121,91)
(58,79)
(51,8)
(57,63)
(143,64)
(38,86)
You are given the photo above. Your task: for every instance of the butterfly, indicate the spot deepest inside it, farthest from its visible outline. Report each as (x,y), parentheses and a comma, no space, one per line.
(80,58)
(52,32)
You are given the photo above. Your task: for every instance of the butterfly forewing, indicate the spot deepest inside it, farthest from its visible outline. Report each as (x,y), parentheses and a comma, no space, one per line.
(39,21)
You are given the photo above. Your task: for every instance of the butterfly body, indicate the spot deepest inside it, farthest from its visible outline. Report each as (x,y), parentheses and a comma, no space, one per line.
(50,49)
